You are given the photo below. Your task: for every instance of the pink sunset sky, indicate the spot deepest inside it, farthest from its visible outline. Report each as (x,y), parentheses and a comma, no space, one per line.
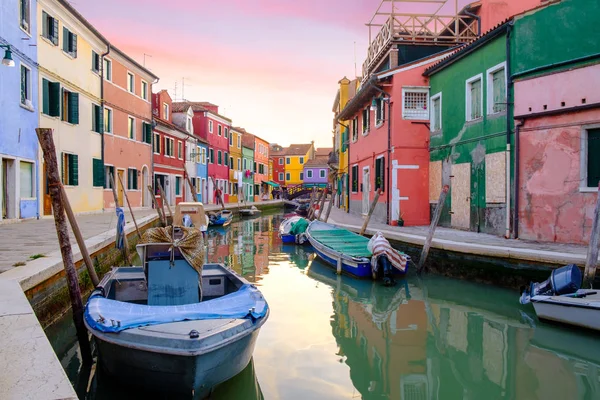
(271,65)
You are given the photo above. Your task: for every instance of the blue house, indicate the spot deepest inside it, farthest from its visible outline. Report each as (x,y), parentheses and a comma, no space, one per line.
(202,170)
(19,168)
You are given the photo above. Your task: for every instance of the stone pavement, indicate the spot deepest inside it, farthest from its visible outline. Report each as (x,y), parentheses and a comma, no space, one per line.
(470,242)
(19,241)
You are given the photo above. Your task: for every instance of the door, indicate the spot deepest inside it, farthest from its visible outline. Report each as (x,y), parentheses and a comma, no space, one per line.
(144,188)
(461,196)
(120,187)
(366,188)
(4,187)
(47,198)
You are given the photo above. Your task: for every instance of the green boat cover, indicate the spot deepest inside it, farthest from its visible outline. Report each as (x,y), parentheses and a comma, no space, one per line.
(299,227)
(343,241)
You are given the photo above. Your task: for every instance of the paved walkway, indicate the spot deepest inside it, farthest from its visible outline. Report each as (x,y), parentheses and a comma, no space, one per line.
(471,242)
(20,241)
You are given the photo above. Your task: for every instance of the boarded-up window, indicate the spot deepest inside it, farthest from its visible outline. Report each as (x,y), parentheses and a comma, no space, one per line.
(495,177)
(435,181)
(593,157)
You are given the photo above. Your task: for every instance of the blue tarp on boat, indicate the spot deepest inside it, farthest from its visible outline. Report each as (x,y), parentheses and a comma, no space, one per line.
(107,315)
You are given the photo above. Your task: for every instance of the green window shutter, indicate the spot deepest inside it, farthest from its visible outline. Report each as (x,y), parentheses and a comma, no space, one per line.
(382,168)
(62,167)
(65,40)
(74,45)
(54,31)
(135,179)
(23,84)
(74,170)
(45,97)
(73,116)
(177,184)
(593,159)
(499,91)
(54,99)
(98,172)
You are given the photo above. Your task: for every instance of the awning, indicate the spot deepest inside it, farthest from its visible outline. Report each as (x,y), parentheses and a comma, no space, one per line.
(270,183)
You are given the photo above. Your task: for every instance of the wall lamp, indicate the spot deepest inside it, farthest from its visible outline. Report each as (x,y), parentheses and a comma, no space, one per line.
(7,60)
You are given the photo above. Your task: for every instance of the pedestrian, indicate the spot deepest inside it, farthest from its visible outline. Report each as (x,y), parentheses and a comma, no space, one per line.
(219,197)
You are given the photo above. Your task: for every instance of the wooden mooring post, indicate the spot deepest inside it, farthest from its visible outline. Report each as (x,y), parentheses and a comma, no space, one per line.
(329,205)
(434,222)
(368,218)
(161,216)
(322,203)
(312,210)
(164,199)
(54,187)
(125,241)
(129,206)
(592,255)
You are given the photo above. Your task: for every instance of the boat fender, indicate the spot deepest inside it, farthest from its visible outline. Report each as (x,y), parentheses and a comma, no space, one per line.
(339,266)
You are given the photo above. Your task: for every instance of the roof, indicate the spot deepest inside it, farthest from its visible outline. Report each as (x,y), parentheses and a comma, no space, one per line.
(84,21)
(323,152)
(248,140)
(182,106)
(298,149)
(319,161)
(131,60)
(281,152)
(469,48)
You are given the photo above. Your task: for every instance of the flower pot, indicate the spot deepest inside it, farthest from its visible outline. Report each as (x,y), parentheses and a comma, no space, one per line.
(394,223)
(400,223)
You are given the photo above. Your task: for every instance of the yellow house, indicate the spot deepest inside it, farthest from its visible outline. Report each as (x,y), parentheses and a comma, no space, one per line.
(235,162)
(70,53)
(295,157)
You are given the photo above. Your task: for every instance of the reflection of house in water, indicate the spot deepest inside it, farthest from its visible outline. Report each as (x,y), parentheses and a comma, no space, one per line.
(261,242)
(218,245)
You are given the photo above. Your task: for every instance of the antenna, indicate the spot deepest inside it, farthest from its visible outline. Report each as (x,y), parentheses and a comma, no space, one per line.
(175,91)
(146,55)
(183,85)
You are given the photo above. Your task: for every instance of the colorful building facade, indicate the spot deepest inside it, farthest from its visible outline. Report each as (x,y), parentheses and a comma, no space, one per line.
(19,105)
(235,164)
(126,124)
(295,157)
(277,156)
(316,172)
(70,101)
(261,176)
(248,167)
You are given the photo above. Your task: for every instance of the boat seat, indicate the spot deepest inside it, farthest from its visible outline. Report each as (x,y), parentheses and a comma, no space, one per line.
(172,285)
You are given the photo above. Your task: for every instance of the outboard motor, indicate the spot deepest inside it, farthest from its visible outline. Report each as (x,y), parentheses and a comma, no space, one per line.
(564,280)
(388,271)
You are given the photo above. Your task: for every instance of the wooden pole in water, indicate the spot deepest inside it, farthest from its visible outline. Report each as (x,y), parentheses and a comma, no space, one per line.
(80,241)
(322,203)
(164,198)
(368,218)
(192,187)
(592,254)
(129,206)
(329,208)
(313,209)
(160,215)
(47,144)
(116,197)
(434,222)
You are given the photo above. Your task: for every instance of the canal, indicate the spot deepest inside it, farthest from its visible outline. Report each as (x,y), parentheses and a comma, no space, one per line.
(331,337)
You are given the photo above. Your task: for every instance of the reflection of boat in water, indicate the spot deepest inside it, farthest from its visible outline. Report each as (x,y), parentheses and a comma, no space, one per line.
(297,255)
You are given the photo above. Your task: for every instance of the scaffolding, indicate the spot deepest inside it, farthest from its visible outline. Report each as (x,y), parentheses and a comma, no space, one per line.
(423,22)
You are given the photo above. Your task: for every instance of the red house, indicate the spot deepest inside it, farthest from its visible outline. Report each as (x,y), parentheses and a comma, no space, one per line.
(277,155)
(214,128)
(169,150)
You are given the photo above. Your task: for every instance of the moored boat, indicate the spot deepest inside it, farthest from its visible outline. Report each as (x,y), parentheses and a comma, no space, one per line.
(220,218)
(288,230)
(347,251)
(249,212)
(174,324)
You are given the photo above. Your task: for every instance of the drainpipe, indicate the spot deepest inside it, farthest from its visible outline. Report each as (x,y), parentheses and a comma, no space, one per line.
(516,183)
(477,17)
(102,108)
(509,88)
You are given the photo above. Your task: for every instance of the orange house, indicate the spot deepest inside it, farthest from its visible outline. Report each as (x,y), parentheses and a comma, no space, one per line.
(261,158)
(127,125)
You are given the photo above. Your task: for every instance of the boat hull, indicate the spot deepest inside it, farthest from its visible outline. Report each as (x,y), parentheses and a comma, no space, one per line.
(582,315)
(288,239)
(358,269)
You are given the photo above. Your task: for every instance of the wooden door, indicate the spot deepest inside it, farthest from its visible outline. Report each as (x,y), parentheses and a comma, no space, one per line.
(120,187)
(47,198)
(461,196)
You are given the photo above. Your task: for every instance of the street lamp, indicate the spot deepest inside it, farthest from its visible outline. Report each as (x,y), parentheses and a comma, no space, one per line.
(374,104)
(7,60)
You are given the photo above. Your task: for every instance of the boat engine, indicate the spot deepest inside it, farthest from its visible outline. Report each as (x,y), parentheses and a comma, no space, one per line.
(564,280)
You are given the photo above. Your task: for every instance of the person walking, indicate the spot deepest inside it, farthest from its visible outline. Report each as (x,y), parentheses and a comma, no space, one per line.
(219,197)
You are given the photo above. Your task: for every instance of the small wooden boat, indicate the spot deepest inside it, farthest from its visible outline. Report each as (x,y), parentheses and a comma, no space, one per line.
(286,227)
(342,249)
(249,212)
(166,327)
(302,209)
(220,218)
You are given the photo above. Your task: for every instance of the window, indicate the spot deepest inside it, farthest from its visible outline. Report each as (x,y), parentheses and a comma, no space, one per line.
(130,82)
(70,169)
(25,15)
(366,123)
(210,126)
(180,150)
(144,93)
(97,172)
(147,132)
(231,140)
(211,158)
(26,179)
(107,120)
(107,69)
(131,128)
(165,111)
(414,104)
(355,179)
(231,162)
(301,160)
(380,173)
(96,118)
(281,177)
(280,160)
(227,134)
(219,157)
(254,170)
(496,89)
(132,179)
(473,96)
(301,176)
(287,176)
(288,160)
(436,113)
(169,146)
(156,143)
(69,42)
(322,173)
(380,111)
(355,129)
(225,159)
(239,163)
(590,171)
(245,164)
(95,62)
(239,141)
(177,186)
(108,171)
(70,107)
(50,28)
(309,174)
(50,98)
(203,155)
(220,130)
(26,86)
(188,125)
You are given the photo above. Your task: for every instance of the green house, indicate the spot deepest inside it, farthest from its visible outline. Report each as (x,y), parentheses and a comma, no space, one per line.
(470,127)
